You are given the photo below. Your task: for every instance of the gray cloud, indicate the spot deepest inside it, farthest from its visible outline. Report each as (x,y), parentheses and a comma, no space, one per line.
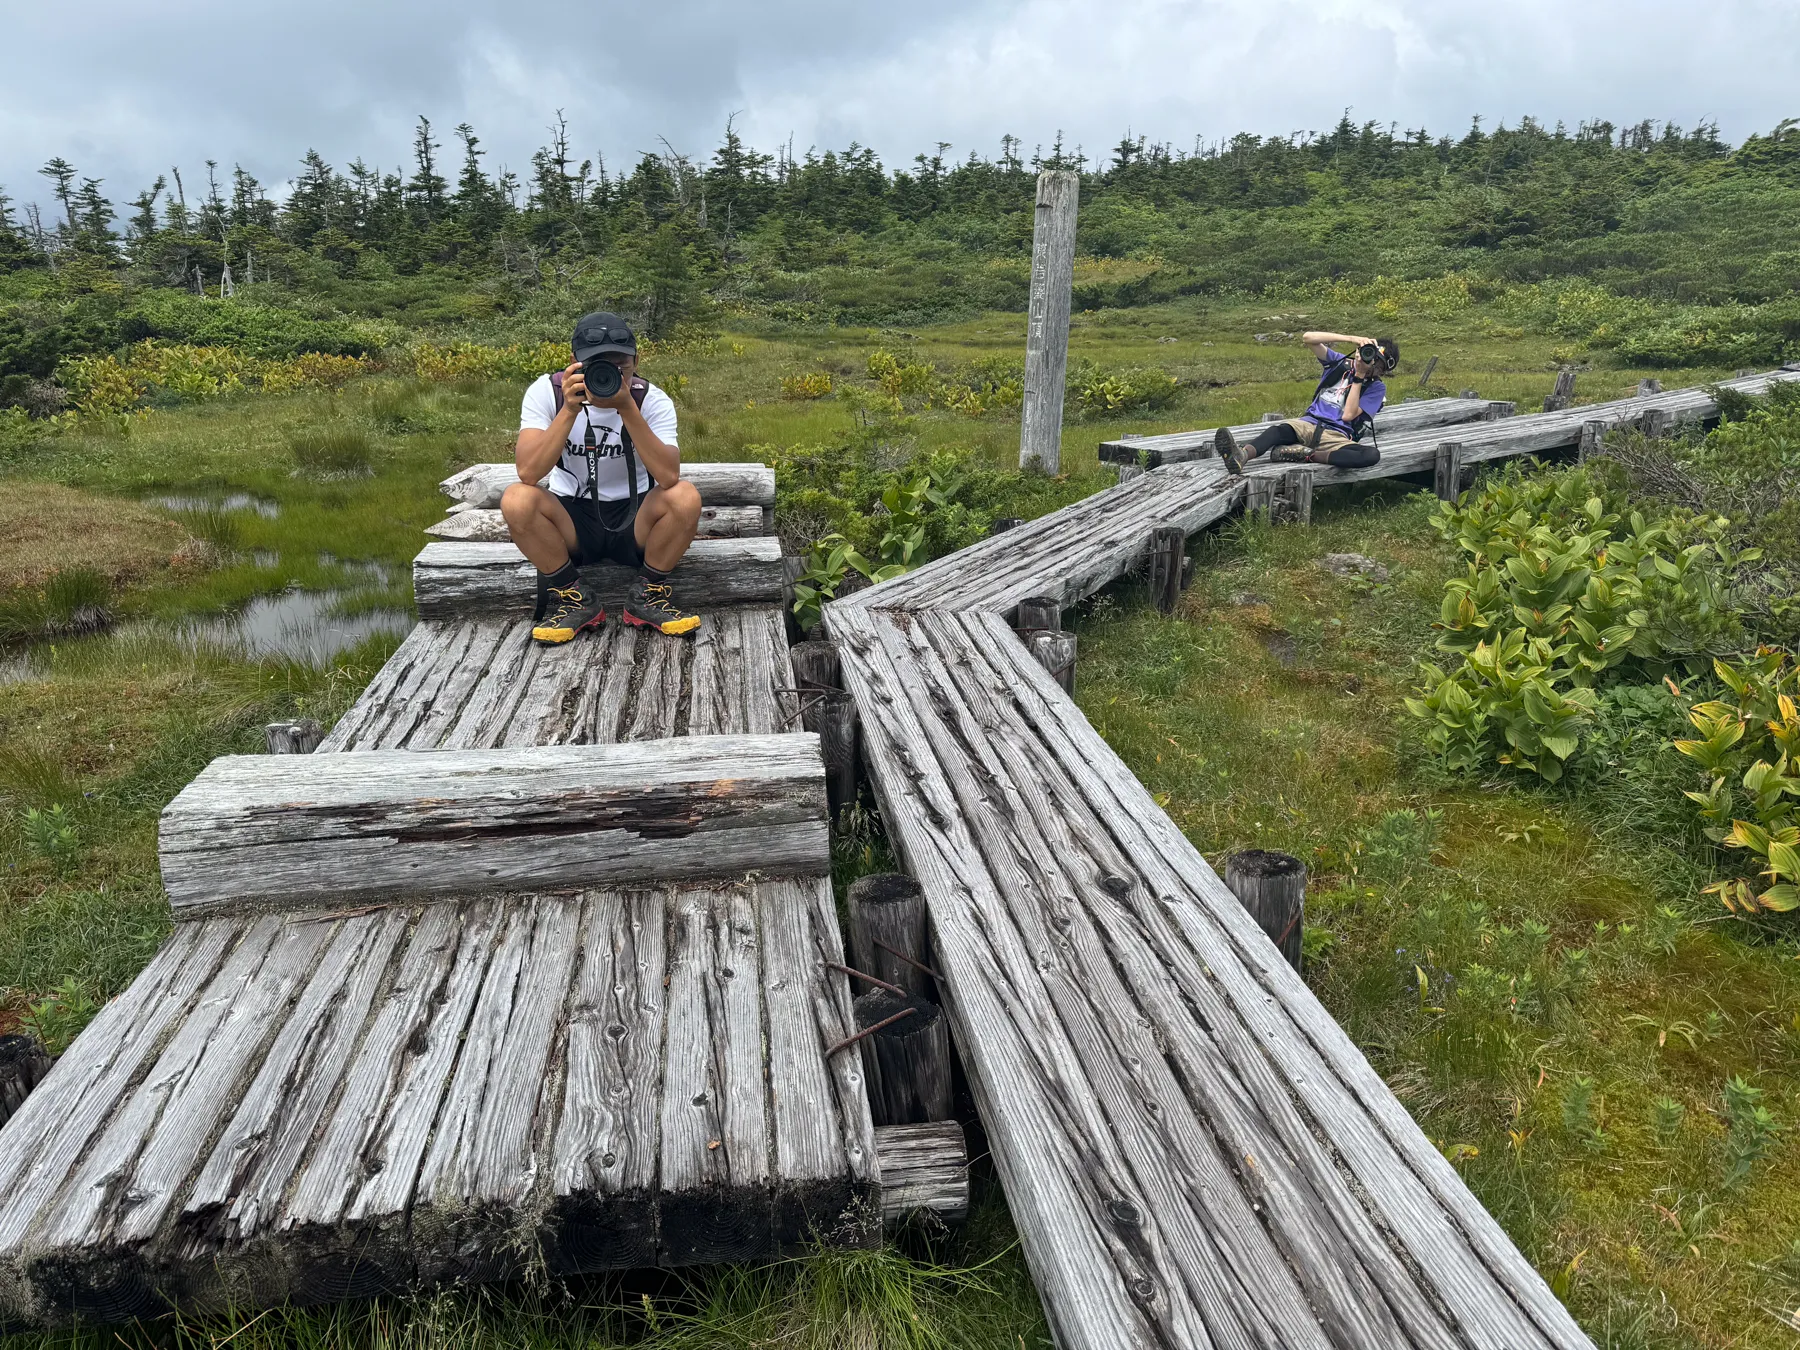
(125,90)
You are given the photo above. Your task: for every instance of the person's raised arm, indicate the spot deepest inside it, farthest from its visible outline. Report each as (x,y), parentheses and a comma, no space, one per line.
(540,447)
(1320,341)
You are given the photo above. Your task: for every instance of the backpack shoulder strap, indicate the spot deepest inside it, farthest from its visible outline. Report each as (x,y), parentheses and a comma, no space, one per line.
(556,388)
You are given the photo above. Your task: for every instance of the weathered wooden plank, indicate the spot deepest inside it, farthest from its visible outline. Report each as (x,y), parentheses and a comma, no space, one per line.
(657,707)
(345,1221)
(825,1166)
(494,1130)
(481,722)
(604,1165)
(493,580)
(1152,1162)
(923,1167)
(1496,1295)
(738,661)
(344,734)
(237,1197)
(717,1199)
(489,526)
(414,697)
(1297,1187)
(57,1125)
(457,685)
(605,694)
(397,823)
(548,702)
(738,484)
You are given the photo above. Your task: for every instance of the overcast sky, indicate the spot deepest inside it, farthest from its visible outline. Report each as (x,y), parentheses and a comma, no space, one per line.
(124,90)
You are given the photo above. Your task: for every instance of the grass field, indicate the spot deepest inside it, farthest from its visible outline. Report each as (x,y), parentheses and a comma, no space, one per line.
(1586,1110)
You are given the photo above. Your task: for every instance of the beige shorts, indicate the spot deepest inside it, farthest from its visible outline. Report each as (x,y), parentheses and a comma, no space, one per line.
(1317,437)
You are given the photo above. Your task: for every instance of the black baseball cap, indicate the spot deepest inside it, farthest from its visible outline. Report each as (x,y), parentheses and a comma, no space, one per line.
(602,332)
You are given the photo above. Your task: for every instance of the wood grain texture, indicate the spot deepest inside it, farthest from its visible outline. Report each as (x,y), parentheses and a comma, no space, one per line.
(1047,319)
(480,485)
(1128,984)
(923,1167)
(255,832)
(457,580)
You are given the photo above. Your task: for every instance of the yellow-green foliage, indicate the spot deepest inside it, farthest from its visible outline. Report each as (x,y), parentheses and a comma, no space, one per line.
(110,384)
(1750,745)
(815,384)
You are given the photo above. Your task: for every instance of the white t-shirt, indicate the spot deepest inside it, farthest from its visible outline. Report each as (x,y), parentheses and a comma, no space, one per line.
(570,476)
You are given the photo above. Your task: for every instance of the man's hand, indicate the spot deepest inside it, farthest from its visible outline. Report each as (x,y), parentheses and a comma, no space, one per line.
(619,400)
(574,387)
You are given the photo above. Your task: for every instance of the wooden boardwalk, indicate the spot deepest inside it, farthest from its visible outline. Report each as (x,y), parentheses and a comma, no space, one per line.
(335,1079)
(1194,1153)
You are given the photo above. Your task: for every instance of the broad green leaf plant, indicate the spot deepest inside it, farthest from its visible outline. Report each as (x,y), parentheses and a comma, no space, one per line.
(1566,589)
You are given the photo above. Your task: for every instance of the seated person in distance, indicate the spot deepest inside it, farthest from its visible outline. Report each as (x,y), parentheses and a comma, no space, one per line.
(616,493)
(1342,411)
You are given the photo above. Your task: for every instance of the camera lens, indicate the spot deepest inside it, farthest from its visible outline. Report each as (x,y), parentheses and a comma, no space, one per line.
(602,378)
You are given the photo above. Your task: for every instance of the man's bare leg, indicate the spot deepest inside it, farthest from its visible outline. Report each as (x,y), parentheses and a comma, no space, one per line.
(540,527)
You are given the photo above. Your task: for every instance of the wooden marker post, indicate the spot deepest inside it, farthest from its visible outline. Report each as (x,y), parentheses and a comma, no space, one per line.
(1039,613)
(1274,417)
(1295,496)
(300,737)
(832,715)
(1564,393)
(1446,477)
(1272,886)
(1430,366)
(1047,323)
(1648,387)
(1655,423)
(889,933)
(906,1056)
(815,665)
(23,1064)
(1168,546)
(1055,652)
(1593,439)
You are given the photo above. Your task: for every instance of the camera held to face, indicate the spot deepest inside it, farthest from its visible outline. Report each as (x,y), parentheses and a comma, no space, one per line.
(601,377)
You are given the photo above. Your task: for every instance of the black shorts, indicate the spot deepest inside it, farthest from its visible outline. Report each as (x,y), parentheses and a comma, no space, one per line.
(603,530)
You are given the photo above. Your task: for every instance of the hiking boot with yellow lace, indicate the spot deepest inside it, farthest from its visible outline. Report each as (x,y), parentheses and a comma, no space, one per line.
(568,610)
(651,604)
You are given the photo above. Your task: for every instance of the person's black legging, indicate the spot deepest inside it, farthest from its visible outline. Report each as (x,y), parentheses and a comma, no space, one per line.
(1353,456)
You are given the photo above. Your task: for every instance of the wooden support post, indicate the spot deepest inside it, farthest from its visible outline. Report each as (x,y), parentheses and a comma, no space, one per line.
(1655,423)
(815,665)
(1593,439)
(23,1064)
(1560,397)
(1039,613)
(791,569)
(1430,366)
(923,1167)
(1055,652)
(832,714)
(1468,393)
(908,1061)
(1047,321)
(1499,409)
(1648,387)
(1745,370)
(299,737)
(1446,477)
(889,933)
(1274,417)
(1272,886)
(1005,523)
(1127,472)
(1259,494)
(1168,546)
(1296,496)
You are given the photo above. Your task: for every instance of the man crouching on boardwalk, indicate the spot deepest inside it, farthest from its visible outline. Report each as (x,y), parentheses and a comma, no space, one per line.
(616,493)
(1341,414)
